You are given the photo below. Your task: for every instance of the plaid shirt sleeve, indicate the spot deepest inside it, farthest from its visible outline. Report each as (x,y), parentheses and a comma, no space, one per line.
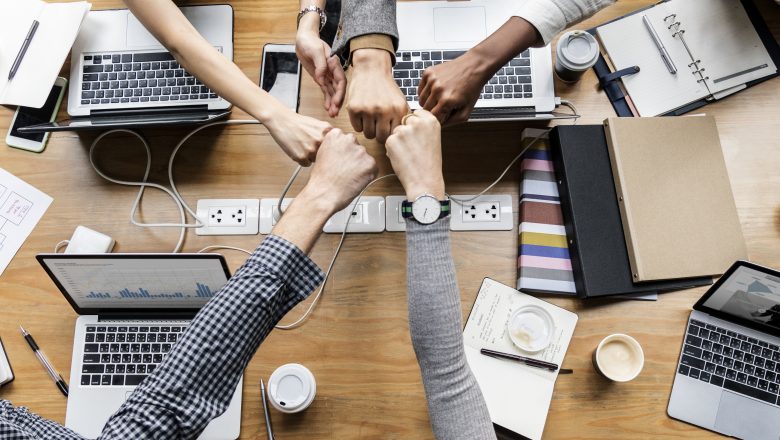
(196,381)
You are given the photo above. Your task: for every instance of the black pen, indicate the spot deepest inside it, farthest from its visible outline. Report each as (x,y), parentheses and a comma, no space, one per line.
(56,377)
(23,50)
(525,360)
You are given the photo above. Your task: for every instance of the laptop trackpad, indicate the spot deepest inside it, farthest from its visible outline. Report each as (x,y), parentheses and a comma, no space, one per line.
(746,418)
(466,25)
(137,35)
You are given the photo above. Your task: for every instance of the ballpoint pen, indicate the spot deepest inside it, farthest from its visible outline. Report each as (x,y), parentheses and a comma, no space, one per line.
(23,50)
(269,430)
(56,377)
(660,45)
(536,363)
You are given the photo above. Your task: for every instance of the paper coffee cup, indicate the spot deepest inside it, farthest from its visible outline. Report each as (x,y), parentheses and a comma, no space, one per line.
(291,388)
(619,358)
(577,51)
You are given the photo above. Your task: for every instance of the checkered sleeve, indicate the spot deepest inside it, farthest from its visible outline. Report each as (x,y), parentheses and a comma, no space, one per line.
(18,423)
(196,381)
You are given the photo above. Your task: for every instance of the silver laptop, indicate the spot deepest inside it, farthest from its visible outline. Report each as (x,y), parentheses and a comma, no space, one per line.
(121,76)
(133,308)
(728,376)
(434,32)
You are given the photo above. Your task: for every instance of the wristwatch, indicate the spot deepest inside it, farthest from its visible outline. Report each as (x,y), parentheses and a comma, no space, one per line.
(425,209)
(312,8)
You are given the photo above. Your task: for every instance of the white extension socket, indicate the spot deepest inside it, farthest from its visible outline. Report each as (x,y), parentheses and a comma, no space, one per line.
(228,216)
(269,213)
(394,221)
(367,216)
(489,212)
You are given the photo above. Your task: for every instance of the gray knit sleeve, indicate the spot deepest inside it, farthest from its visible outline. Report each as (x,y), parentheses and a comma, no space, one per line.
(455,404)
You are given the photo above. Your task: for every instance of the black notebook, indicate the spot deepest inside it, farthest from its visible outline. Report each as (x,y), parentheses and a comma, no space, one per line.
(591,216)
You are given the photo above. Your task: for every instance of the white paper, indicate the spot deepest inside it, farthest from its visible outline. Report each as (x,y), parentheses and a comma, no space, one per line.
(21,207)
(517,396)
(58,26)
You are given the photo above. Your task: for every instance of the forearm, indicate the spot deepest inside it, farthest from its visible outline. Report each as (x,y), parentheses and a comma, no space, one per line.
(455,404)
(196,381)
(196,55)
(512,38)
(365,17)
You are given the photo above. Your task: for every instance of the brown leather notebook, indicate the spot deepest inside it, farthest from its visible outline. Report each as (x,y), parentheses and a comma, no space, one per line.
(675,199)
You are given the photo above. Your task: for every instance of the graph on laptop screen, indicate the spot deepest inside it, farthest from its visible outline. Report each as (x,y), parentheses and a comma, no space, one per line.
(139,282)
(749,294)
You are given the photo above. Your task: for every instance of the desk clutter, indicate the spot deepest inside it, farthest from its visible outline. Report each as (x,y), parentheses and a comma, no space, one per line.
(629,209)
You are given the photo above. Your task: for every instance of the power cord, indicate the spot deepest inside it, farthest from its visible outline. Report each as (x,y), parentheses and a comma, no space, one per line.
(571,106)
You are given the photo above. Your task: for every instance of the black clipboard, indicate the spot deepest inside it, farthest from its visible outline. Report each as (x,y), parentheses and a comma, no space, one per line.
(618,98)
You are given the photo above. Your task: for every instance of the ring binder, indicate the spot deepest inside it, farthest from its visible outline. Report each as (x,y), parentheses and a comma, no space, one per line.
(694,65)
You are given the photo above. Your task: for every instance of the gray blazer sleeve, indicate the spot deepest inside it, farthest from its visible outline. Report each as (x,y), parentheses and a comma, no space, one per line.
(361,17)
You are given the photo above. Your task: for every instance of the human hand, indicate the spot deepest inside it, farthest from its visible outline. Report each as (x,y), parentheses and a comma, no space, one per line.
(414,150)
(374,101)
(299,136)
(450,90)
(323,67)
(343,168)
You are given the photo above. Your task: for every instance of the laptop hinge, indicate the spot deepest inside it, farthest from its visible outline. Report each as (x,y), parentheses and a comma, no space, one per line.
(151,110)
(143,316)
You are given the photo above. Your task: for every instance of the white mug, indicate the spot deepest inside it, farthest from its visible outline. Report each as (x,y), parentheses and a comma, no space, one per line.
(619,358)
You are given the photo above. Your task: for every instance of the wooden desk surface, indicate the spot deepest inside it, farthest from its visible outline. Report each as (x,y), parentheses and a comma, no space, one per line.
(357,341)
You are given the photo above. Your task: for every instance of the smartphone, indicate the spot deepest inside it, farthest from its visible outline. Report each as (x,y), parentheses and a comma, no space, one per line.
(26,116)
(280,74)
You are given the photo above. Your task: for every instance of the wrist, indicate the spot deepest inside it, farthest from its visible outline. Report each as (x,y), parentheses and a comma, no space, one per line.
(417,189)
(319,205)
(372,59)
(481,64)
(310,23)
(270,111)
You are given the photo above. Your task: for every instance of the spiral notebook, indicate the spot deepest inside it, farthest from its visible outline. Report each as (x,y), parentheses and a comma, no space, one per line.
(713,45)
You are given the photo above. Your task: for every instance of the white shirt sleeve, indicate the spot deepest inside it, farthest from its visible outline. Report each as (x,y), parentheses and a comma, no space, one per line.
(552,16)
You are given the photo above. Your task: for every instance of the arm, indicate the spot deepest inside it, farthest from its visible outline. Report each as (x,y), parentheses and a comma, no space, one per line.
(299,136)
(197,379)
(20,423)
(451,89)
(455,404)
(366,17)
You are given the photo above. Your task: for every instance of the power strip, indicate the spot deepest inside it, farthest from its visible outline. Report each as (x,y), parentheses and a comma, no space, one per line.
(270,213)
(485,213)
(228,216)
(367,216)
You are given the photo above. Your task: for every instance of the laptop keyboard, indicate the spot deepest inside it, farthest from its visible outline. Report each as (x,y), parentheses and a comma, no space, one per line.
(731,360)
(510,82)
(117,78)
(125,355)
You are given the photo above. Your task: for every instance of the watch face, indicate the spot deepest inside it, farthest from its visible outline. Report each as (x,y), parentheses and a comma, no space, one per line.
(426,209)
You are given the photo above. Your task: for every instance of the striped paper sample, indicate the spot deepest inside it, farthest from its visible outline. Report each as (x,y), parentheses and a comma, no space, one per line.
(543,263)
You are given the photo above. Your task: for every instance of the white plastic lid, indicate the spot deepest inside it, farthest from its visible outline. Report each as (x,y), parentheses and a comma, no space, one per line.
(291,388)
(577,50)
(531,328)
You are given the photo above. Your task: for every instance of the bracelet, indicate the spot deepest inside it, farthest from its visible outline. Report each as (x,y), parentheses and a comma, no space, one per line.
(312,8)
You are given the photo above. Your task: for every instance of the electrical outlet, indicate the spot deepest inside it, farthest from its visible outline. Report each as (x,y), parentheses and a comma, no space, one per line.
(367,216)
(270,213)
(394,221)
(485,213)
(228,216)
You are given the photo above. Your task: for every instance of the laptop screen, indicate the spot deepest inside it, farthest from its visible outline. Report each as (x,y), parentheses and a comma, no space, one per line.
(747,294)
(124,282)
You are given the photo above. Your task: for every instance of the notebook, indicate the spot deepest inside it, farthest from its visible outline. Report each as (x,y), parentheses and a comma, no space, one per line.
(518,397)
(591,217)
(678,213)
(713,44)
(6,373)
(58,25)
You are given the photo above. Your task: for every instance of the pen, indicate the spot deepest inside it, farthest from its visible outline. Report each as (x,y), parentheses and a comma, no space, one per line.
(536,363)
(661,48)
(56,377)
(269,431)
(23,50)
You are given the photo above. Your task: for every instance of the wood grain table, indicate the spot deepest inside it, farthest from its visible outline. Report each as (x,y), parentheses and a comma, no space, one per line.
(357,341)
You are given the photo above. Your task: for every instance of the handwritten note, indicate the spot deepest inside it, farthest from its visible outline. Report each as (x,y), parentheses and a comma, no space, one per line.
(21,207)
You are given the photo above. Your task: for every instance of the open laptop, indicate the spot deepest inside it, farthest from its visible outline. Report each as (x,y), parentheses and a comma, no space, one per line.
(133,308)
(433,32)
(728,376)
(121,76)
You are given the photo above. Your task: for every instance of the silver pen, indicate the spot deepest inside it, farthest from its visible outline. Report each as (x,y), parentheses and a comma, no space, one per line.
(55,376)
(268,428)
(664,53)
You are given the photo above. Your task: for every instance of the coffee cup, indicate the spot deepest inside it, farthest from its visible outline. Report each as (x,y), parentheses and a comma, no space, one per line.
(619,358)
(291,388)
(577,51)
